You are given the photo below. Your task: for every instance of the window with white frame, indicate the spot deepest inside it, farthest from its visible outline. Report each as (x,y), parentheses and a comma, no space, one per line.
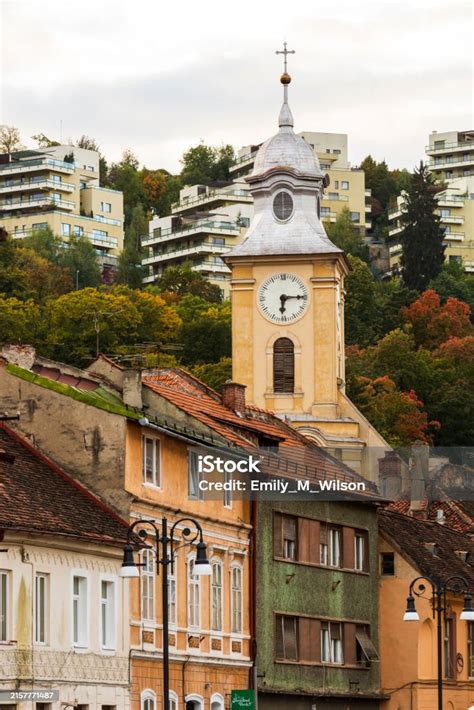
(173,700)
(65,229)
(4,605)
(41,608)
(193,596)
(334,547)
(236,599)
(331,642)
(79,611)
(194,476)
(172,604)
(359,551)
(105,207)
(216,596)
(107,614)
(344,185)
(151,460)
(148,700)
(147,585)
(217,702)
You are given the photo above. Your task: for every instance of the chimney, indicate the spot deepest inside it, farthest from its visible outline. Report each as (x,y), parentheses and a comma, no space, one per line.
(233,396)
(132,388)
(432,548)
(419,471)
(21,355)
(463,555)
(390,475)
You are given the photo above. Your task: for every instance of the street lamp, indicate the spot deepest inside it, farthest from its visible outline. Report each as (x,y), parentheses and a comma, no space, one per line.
(165,551)
(439,605)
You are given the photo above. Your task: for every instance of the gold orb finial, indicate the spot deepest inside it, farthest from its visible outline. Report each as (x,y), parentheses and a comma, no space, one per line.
(285,79)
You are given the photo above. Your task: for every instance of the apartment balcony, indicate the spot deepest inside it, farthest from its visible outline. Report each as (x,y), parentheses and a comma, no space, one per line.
(395,231)
(395,249)
(449,148)
(335,198)
(454,236)
(395,213)
(451,201)
(179,253)
(96,239)
(329,217)
(45,201)
(368,209)
(243,162)
(216,197)
(200,227)
(209,268)
(43,184)
(451,162)
(30,166)
(452,219)
(368,192)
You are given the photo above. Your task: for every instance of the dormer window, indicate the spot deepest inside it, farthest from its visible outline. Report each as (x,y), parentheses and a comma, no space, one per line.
(283,206)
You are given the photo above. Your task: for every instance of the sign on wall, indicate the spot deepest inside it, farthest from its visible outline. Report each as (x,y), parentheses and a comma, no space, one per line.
(242,699)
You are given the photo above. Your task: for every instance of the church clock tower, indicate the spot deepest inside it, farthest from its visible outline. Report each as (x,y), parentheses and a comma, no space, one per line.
(288,301)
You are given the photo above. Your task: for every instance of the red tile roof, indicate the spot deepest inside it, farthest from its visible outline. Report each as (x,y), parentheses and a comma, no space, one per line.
(297,456)
(38,496)
(458,512)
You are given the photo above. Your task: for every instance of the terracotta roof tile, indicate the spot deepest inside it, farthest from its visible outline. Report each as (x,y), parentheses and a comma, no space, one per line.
(410,536)
(38,496)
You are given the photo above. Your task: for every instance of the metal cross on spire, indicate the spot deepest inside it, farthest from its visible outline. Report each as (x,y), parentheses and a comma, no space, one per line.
(285,53)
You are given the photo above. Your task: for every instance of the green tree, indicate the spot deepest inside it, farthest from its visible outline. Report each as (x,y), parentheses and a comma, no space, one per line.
(130,269)
(10,140)
(124,176)
(205,333)
(454,281)
(43,278)
(13,281)
(361,309)
(45,243)
(18,320)
(422,237)
(214,374)
(159,322)
(204,164)
(81,260)
(181,280)
(343,234)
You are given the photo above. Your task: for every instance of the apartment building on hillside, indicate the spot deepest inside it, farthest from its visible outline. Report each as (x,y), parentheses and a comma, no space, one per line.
(59,188)
(451,161)
(451,154)
(206,222)
(209,220)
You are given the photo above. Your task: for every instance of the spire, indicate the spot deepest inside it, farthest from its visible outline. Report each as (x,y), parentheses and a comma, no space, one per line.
(285,119)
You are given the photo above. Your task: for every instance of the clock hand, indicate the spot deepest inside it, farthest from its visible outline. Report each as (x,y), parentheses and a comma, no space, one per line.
(287,298)
(283,299)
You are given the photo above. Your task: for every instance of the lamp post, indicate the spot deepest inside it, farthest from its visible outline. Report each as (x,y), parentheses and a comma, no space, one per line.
(165,550)
(439,590)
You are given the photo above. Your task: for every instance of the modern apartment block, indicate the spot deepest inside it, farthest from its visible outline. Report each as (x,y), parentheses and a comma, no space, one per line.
(59,188)
(346,186)
(204,224)
(209,220)
(451,154)
(456,209)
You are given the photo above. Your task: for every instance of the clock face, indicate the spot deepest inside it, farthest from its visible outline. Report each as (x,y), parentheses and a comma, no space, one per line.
(283,298)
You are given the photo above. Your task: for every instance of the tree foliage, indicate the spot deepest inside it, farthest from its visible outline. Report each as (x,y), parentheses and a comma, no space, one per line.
(204,164)
(18,320)
(344,235)
(432,323)
(182,280)
(422,236)
(130,269)
(214,374)
(10,140)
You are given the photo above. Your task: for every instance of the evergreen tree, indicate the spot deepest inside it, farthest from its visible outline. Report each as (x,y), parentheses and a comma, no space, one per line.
(130,269)
(422,236)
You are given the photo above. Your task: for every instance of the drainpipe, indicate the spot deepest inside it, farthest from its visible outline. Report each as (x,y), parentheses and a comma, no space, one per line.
(26,561)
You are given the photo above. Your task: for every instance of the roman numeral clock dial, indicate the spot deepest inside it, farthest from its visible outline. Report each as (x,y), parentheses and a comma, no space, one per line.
(283,298)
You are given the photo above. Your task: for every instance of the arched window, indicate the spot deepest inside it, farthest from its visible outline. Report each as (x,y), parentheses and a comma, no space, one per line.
(147,585)
(194,702)
(194,616)
(217,702)
(173,700)
(216,595)
(148,700)
(283,365)
(236,599)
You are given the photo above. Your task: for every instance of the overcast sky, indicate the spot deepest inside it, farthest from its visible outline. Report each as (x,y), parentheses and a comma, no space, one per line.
(158,76)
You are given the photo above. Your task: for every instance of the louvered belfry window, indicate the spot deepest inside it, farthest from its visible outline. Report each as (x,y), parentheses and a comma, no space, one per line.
(283,365)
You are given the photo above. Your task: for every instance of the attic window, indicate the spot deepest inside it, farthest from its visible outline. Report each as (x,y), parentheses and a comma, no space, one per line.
(283,206)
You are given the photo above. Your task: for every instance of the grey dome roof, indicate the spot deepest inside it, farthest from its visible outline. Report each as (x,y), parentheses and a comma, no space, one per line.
(286,149)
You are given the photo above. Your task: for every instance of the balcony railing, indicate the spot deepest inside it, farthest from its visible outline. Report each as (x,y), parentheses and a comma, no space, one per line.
(335,197)
(94,238)
(38,163)
(214,227)
(217,195)
(451,162)
(244,159)
(18,185)
(202,248)
(467,145)
(43,201)
(452,219)
(454,236)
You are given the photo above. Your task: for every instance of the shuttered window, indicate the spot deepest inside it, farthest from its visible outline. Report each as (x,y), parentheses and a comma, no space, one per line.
(283,365)
(286,638)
